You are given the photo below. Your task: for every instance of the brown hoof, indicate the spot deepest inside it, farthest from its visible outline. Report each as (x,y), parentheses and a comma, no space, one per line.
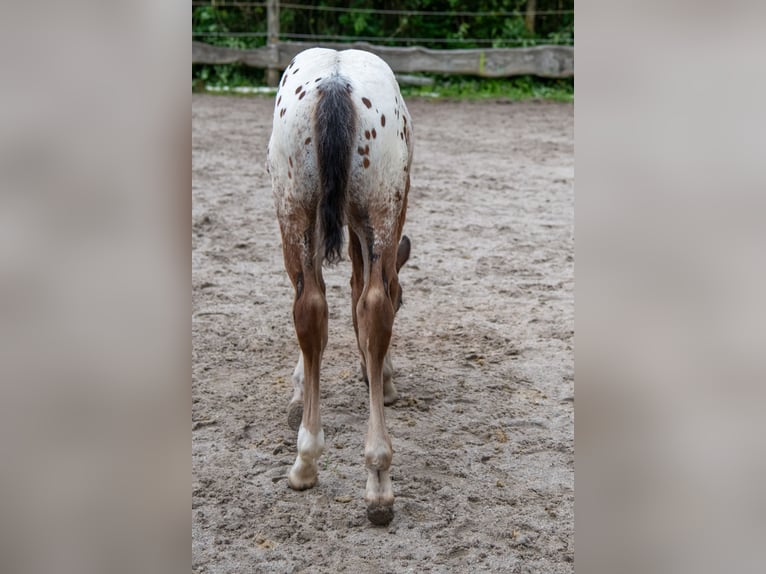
(294,415)
(380,515)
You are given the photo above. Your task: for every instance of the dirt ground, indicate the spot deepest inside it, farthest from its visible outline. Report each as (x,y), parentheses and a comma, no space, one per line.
(483,468)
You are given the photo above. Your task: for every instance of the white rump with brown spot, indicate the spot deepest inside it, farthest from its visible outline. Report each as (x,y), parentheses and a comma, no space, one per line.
(339,157)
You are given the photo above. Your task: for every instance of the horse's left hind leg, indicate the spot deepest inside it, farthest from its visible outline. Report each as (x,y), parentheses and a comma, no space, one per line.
(310,318)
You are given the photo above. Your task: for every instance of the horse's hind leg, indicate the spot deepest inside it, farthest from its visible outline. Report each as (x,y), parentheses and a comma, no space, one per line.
(295,408)
(310,318)
(294,267)
(357,285)
(375,318)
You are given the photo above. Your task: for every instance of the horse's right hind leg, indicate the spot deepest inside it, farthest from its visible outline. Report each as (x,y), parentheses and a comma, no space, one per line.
(390,394)
(375,315)
(357,286)
(295,408)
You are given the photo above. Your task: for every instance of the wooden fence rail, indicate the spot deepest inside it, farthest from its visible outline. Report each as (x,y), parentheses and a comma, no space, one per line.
(544,61)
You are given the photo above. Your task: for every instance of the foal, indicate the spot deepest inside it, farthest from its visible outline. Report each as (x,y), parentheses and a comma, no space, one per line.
(340,154)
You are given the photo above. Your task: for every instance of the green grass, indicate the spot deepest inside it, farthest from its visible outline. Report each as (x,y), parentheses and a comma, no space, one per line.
(444,86)
(516,89)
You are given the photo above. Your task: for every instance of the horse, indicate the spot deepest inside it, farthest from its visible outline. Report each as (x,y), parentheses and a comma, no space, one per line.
(340,155)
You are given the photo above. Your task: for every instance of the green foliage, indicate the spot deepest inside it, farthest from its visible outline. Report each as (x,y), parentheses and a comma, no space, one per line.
(517,88)
(211,24)
(233,75)
(514,27)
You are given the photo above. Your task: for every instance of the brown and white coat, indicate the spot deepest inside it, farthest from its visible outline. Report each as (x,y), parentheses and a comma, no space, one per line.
(340,154)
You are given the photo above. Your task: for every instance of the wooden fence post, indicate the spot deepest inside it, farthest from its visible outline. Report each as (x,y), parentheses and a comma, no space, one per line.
(272,40)
(529,18)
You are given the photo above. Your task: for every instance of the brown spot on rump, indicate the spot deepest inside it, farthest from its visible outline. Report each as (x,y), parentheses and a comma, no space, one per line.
(290,160)
(308,141)
(366,162)
(401,135)
(398,195)
(302,94)
(298,89)
(295,71)
(366,150)
(289,174)
(383,120)
(374,134)
(367,134)
(367,103)
(279,99)
(360,150)
(405,120)
(319,78)
(282,112)
(284,80)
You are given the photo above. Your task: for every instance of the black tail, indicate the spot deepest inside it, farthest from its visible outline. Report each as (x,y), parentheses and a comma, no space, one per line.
(334,128)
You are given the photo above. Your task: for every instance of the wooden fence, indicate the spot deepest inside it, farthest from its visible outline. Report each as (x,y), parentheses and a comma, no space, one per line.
(544,61)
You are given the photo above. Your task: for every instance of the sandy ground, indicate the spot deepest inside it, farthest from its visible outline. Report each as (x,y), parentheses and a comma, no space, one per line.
(483,467)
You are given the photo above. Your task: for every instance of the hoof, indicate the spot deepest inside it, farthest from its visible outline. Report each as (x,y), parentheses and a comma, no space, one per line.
(296,483)
(294,415)
(390,395)
(379,514)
